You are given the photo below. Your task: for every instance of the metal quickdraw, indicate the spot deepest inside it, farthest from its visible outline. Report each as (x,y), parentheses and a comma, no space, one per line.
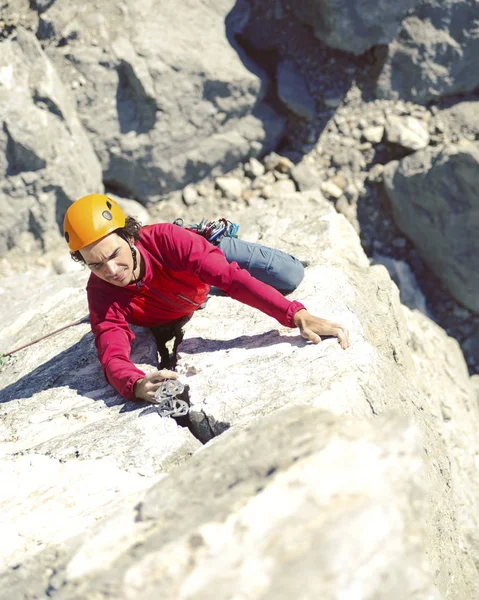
(168,398)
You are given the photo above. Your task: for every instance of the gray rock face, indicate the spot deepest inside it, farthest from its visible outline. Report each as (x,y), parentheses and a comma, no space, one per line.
(46,158)
(293,91)
(165,98)
(287,500)
(434,200)
(434,54)
(353,25)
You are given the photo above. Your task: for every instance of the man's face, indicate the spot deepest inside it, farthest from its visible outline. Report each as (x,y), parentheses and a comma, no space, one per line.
(110,259)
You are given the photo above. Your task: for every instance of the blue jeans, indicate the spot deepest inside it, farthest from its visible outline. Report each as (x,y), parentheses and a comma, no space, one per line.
(274,267)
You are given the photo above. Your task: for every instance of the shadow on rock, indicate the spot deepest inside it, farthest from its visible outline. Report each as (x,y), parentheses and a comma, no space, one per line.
(76,367)
(269,338)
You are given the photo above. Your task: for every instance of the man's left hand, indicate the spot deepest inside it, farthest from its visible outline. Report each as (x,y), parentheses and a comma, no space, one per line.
(312,328)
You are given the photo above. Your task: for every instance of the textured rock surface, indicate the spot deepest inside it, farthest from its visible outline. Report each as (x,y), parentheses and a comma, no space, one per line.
(71,450)
(164,96)
(352,25)
(101,499)
(270,490)
(46,159)
(434,54)
(434,200)
(263,526)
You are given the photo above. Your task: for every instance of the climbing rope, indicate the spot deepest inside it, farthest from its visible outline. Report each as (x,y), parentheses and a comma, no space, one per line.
(44,337)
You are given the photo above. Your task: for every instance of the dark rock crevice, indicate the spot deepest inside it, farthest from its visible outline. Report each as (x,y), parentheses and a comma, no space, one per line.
(137,111)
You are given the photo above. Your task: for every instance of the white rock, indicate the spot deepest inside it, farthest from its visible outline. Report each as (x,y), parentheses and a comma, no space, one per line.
(374,134)
(283,186)
(190,195)
(331,189)
(253,168)
(277,162)
(231,187)
(267,191)
(408,132)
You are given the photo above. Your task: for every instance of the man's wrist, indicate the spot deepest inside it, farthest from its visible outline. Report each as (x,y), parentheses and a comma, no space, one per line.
(298,315)
(136,386)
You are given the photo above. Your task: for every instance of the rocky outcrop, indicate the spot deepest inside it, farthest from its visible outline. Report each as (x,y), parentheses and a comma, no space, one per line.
(434,54)
(163,95)
(351,25)
(434,200)
(280,482)
(46,158)
(301,468)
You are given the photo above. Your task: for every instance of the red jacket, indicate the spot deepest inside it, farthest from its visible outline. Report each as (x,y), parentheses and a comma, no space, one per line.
(180,267)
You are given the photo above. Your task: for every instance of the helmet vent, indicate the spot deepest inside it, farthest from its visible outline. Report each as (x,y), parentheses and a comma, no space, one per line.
(67,237)
(109,205)
(106,214)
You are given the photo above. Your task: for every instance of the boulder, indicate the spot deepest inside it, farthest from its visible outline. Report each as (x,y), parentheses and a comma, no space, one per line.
(434,202)
(164,97)
(374,134)
(231,187)
(45,156)
(254,168)
(408,132)
(434,54)
(352,25)
(328,460)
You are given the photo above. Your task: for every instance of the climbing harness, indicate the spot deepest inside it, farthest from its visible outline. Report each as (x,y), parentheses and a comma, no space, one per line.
(213,231)
(168,398)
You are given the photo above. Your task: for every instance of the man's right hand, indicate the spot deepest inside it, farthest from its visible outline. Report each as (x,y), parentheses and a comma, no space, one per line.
(145,388)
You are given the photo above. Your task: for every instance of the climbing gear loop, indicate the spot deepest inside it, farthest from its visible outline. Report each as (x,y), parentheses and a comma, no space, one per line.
(213,231)
(169,401)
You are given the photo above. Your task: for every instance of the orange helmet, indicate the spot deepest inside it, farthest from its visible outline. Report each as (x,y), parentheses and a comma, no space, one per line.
(89,219)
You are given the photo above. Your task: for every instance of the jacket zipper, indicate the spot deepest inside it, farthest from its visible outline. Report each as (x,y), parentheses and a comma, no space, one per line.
(187,299)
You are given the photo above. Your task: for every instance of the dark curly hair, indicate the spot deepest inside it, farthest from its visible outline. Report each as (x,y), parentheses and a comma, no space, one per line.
(131,229)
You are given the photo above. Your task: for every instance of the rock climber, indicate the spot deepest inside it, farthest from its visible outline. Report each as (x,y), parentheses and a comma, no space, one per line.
(158,275)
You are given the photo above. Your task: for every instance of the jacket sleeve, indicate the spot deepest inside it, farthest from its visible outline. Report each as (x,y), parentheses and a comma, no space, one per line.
(113,339)
(188,251)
